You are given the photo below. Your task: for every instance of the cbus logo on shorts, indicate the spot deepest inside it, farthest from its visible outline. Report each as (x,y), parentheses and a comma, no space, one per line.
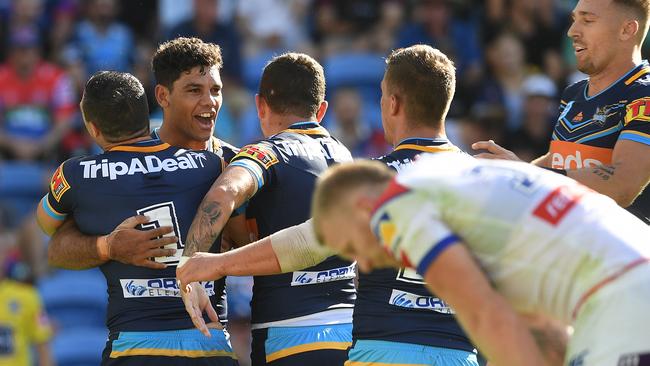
(301,278)
(144,165)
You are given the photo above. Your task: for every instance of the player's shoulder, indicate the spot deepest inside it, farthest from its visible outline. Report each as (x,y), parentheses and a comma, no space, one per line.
(573,91)
(223,149)
(262,151)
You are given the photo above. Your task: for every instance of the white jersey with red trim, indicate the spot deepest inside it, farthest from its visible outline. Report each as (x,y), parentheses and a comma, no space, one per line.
(544,240)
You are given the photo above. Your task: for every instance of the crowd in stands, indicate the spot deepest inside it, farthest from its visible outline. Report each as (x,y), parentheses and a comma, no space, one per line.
(513,59)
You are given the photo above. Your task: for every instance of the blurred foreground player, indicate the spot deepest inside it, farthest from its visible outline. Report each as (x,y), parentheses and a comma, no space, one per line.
(138,175)
(494,239)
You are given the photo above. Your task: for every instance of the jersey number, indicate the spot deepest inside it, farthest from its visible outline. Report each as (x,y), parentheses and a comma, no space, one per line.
(409,275)
(164,214)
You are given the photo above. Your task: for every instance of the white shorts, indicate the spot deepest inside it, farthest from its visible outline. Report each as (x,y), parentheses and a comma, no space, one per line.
(613,326)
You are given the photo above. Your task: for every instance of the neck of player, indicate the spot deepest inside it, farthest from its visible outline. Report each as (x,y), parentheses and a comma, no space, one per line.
(615,70)
(179,140)
(405,131)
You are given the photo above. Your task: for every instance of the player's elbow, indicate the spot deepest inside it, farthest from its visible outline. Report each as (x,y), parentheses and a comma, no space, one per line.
(625,194)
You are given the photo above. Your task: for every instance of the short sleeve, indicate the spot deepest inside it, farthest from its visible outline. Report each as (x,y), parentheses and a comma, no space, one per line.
(259,160)
(60,198)
(636,125)
(409,226)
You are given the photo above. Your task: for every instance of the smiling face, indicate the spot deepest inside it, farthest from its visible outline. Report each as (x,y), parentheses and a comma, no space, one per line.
(192,105)
(596,32)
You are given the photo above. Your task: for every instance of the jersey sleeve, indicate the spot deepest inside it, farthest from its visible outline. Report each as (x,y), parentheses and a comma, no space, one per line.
(410,228)
(59,201)
(259,160)
(636,124)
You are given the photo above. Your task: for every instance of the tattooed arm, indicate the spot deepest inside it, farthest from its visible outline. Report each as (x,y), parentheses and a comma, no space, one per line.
(233,187)
(625,178)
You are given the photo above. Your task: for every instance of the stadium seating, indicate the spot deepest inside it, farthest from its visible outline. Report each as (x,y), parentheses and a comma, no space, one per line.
(79,347)
(75,299)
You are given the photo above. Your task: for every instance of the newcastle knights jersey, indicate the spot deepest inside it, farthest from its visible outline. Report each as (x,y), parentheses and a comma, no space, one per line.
(286,166)
(395,305)
(589,127)
(146,178)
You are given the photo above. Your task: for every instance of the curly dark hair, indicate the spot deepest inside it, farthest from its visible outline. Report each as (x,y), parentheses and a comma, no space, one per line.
(181,55)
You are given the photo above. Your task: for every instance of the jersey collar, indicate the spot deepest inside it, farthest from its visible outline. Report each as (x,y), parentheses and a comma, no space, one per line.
(307,128)
(437,144)
(153,145)
(635,73)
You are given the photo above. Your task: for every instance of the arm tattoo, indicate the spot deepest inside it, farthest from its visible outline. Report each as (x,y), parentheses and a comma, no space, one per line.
(203,231)
(604,171)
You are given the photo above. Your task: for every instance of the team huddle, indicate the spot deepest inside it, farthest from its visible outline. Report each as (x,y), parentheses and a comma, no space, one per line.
(424,256)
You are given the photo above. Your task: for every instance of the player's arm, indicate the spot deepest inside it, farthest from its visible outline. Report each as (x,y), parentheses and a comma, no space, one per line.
(625,178)
(287,250)
(233,187)
(491,323)
(247,173)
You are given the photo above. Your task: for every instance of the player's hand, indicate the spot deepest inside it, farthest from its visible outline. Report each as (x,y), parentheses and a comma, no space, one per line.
(494,151)
(199,267)
(129,245)
(196,302)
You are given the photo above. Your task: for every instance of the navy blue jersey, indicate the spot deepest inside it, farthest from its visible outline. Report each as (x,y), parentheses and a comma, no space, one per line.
(221,148)
(147,178)
(588,127)
(395,305)
(286,166)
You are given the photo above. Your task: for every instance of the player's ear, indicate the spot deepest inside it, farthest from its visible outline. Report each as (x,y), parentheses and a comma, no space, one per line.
(320,113)
(261,106)
(162,95)
(395,104)
(92,129)
(629,30)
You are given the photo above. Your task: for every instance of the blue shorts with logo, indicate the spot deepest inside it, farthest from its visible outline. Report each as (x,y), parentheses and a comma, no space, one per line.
(173,347)
(368,352)
(322,345)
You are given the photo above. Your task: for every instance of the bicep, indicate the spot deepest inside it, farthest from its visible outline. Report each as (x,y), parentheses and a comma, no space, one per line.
(631,159)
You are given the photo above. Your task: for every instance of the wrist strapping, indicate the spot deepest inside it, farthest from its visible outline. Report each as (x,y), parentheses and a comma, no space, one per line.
(297,248)
(103,248)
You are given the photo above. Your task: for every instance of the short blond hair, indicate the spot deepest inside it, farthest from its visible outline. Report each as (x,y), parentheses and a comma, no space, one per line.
(333,186)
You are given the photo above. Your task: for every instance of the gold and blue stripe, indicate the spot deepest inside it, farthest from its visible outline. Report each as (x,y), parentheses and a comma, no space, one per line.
(287,341)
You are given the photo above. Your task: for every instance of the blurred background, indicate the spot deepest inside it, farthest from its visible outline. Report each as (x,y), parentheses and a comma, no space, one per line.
(512,57)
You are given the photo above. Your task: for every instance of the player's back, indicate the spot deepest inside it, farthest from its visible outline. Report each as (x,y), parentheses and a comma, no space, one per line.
(149,178)
(543,239)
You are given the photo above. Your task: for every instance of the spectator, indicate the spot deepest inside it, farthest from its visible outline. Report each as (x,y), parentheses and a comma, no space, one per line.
(23,322)
(349,127)
(100,41)
(204,24)
(507,71)
(530,140)
(36,101)
(22,14)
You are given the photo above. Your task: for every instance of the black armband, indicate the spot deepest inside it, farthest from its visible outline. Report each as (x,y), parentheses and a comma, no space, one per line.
(558,171)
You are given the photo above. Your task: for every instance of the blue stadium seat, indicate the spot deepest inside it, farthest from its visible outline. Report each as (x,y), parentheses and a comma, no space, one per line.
(253,67)
(21,186)
(354,70)
(79,347)
(75,299)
